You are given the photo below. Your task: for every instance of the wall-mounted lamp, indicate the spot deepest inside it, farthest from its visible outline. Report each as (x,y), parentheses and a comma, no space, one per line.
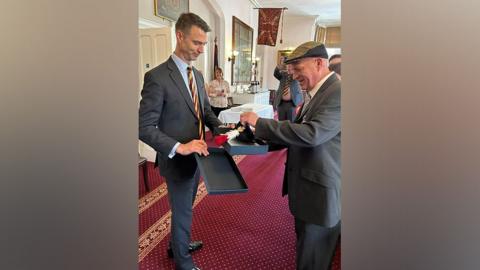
(232,58)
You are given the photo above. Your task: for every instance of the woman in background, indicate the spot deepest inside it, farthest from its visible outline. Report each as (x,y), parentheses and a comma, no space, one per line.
(218,92)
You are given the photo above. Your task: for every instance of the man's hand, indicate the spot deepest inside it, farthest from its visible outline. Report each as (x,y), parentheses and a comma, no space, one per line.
(194,146)
(249,117)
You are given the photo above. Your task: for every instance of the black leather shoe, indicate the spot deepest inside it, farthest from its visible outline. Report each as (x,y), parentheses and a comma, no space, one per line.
(193,246)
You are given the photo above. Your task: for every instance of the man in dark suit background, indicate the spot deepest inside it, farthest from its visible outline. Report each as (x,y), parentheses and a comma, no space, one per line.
(173,113)
(335,64)
(312,173)
(288,95)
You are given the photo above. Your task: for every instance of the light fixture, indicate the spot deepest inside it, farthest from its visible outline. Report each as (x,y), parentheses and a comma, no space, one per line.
(255,63)
(232,58)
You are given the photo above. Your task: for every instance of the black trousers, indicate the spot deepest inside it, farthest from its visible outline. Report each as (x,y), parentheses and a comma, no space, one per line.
(286,110)
(315,245)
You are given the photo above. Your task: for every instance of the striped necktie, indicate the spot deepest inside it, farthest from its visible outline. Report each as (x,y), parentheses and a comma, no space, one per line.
(286,89)
(196,105)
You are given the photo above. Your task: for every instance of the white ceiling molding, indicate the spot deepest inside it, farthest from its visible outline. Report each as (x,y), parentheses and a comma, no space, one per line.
(326,23)
(255,3)
(328,11)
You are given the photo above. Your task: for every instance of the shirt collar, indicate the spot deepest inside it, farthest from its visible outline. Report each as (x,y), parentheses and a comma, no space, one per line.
(182,66)
(319,84)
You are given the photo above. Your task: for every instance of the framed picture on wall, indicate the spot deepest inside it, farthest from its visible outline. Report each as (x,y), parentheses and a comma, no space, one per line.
(170,9)
(242,42)
(281,54)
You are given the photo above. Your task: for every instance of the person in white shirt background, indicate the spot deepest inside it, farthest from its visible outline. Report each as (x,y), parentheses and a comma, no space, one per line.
(218,92)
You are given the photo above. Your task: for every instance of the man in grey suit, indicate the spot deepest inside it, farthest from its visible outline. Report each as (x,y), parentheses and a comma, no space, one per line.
(312,173)
(173,113)
(288,95)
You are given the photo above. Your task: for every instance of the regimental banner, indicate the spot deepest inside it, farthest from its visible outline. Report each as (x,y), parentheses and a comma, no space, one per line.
(268,22)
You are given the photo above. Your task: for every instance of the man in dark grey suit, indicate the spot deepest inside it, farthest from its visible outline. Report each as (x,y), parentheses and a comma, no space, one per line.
(312,173)
(173,113)
(335,64)
(288,95)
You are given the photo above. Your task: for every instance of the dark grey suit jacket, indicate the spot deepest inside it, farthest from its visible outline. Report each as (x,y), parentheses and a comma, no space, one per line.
(295,90)
(167,116)
(312,173)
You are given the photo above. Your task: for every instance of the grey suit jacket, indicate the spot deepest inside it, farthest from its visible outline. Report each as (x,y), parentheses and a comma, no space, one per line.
(295,90)
(312,173)
(167,116)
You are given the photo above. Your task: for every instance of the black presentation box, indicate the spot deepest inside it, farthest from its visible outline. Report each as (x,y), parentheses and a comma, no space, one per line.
(236,147)
(220,173)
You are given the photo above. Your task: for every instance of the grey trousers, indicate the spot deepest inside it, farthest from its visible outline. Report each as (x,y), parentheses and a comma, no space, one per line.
(181,196)
(315,245)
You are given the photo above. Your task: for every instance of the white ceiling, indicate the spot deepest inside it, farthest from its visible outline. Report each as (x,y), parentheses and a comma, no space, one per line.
(327,11)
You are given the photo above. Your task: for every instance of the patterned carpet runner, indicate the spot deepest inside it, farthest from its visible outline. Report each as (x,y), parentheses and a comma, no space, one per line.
(252,230)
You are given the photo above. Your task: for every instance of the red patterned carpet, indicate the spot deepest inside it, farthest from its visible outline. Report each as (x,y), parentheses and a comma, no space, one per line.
(252,230)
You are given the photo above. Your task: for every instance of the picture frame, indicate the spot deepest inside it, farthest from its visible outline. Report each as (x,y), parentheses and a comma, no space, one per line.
(282,53)
(242,42)
(170,9)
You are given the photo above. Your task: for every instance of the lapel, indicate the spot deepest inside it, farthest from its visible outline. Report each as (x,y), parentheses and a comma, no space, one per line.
(318,96)
(180,83)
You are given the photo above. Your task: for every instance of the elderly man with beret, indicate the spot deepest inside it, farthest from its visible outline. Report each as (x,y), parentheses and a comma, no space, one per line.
(312,173)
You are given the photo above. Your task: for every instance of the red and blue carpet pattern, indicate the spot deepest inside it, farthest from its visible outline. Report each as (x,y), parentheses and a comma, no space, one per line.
(252,230)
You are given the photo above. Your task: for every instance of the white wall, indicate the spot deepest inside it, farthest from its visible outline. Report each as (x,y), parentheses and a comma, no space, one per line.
(243,10)
(205,62)
(199,7)
(218,14)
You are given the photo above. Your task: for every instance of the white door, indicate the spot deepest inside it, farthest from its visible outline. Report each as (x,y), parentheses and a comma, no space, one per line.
(155,48)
